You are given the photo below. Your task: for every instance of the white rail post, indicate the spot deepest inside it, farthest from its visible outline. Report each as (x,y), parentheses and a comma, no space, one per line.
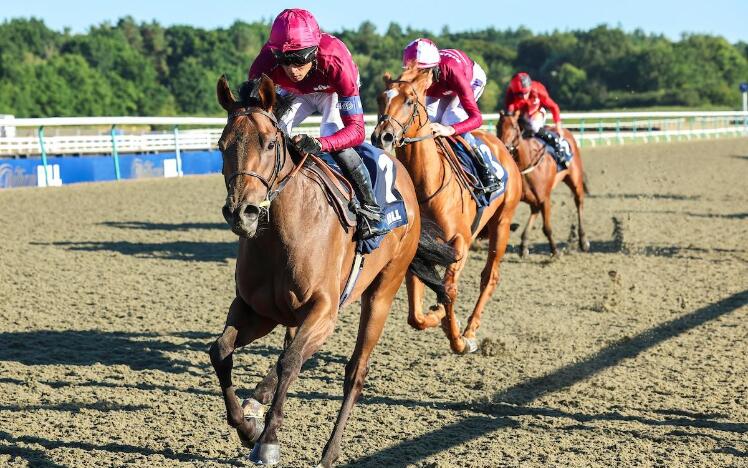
(176,150)
(44,156)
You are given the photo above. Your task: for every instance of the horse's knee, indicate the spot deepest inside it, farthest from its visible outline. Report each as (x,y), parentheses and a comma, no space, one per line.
(219,351)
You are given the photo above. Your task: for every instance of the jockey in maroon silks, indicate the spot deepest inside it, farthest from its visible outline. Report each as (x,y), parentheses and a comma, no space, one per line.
(318,71)
(532,99)
(451,99)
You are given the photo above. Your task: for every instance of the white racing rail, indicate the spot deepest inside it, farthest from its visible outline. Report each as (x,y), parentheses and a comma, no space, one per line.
(112,135)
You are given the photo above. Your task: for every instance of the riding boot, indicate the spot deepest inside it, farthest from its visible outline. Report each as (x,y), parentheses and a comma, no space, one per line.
(488,179)
(549,138)
(369,212)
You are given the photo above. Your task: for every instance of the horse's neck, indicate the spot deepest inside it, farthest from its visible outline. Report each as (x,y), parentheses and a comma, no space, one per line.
(425,165)
(526,151)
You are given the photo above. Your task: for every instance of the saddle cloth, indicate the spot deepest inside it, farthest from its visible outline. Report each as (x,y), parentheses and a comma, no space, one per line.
(468,165)
(383,175)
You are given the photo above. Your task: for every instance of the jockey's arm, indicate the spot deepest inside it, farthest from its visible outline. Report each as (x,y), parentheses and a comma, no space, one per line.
(344,80)
(550,104)
(474,120)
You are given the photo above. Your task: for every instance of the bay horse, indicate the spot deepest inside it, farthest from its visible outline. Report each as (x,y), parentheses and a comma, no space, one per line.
(404,125)
(541,175)
(293,261)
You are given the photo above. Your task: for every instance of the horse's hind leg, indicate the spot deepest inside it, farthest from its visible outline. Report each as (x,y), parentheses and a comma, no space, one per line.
(524,249)
(416,318)
(263,393)
(575,181)
(498,228)
(243,326)
(314,330)
(375,305)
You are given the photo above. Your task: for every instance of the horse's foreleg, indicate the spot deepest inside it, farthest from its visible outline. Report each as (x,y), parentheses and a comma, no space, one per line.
(375,305)
(314,330)
(243,326)
(547,229)
(416,317)
(497,242)
(524,249)
(265,390)
(450,324)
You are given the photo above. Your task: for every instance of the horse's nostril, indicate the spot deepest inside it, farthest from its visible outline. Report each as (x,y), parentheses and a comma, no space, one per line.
(388,137)
(251,211)
(226,211)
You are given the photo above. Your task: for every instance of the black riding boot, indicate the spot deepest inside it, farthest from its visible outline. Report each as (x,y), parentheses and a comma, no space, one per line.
(488,179)
(369,212)
(549,138)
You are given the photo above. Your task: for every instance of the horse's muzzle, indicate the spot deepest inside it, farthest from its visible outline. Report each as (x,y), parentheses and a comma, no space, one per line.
(242,219)
(383,138)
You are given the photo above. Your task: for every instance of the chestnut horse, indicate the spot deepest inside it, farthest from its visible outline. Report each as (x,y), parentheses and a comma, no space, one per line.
(293,262)
(404,125)
(541,176)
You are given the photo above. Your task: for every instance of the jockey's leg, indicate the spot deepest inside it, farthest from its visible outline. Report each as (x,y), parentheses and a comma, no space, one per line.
(480,154)
(555,142)
(369,213)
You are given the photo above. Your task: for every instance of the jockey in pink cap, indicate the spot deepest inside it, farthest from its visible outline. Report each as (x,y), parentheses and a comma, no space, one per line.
(318,71)
(451,99)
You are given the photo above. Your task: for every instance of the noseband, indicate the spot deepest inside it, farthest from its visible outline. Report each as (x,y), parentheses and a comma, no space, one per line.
(403,128)
(280,161)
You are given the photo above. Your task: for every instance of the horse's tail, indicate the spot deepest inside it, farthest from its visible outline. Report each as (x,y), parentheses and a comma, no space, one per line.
(430,254)
(585,184)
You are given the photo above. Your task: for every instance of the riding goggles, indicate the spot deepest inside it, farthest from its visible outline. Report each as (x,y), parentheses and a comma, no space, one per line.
(295,57)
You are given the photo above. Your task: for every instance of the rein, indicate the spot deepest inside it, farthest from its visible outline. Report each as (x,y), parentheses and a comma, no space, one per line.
(279,161)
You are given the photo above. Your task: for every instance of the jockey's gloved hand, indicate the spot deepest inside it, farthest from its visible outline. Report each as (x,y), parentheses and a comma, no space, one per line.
(308,144)
(442,130)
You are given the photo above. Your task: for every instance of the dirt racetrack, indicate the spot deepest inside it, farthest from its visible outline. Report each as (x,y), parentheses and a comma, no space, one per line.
(635,354)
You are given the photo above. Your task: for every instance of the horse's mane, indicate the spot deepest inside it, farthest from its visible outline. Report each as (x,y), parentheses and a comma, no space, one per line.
(248,98)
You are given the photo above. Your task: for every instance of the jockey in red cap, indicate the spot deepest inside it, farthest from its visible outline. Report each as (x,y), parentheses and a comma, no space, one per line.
(532,99)
(451,99)
(318,71)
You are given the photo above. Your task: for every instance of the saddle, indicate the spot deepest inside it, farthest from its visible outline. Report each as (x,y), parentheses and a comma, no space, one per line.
(335,186)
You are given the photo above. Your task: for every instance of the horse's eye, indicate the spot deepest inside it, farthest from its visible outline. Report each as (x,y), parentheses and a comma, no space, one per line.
(409,102)
(271,145)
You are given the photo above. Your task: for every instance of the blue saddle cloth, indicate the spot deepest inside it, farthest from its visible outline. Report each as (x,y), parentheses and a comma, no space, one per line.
(383,175)
(490,159)
(565,155)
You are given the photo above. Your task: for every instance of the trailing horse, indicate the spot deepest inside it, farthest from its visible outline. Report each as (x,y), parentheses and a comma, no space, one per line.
(446,199)
(294,261)
(541,175)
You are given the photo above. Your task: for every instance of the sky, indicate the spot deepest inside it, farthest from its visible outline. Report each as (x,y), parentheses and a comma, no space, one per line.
(669,17)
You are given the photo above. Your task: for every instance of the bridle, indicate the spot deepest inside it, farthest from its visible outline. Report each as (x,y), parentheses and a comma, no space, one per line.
(280,161)
(413,116)
(513,149)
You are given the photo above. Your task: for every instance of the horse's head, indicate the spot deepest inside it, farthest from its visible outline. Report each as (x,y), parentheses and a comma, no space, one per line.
(509,131)
(254,152)
(401,108)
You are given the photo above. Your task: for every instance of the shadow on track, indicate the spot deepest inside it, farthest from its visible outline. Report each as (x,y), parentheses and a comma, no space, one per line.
(182,250)
(148,226)
(497,417)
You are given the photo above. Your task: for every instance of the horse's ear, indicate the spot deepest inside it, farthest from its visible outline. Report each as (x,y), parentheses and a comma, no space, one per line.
(223,92)
(387,78)
(266,93)
(516,114)
(502,112)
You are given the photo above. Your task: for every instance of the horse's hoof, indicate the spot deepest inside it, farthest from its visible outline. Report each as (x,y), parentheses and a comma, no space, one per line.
(584,245)
(256,426)
(471,345)
(253,409)
(265,454)
(524,252)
